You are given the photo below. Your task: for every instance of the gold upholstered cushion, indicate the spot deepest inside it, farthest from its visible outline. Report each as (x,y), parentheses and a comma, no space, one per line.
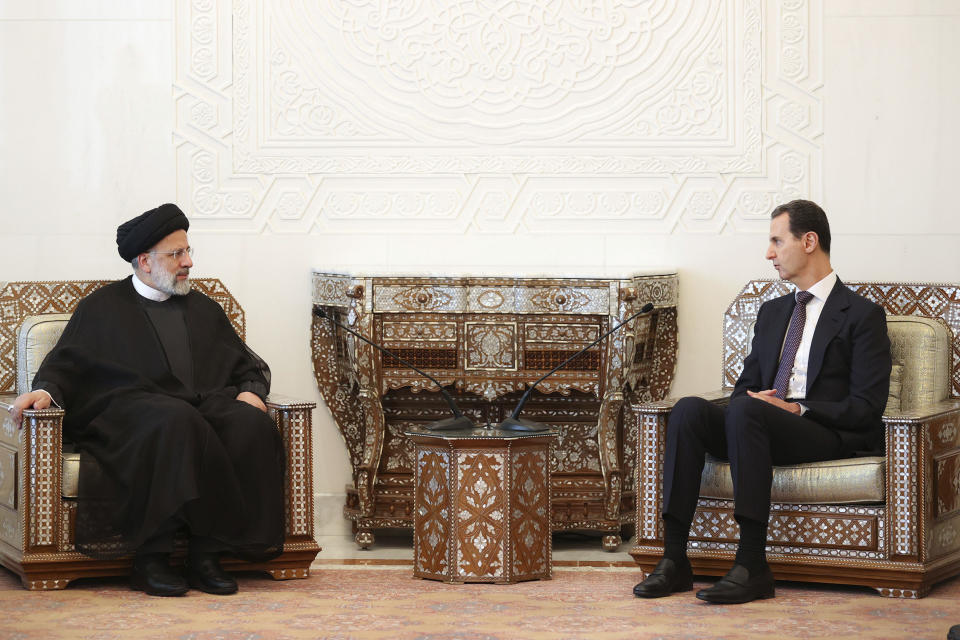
(896,386)
(922,347)
(71,475)
(849,481)
(37,336)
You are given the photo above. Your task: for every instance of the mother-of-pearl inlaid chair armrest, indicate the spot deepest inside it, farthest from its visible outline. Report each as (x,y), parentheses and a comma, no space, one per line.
(923,412)
(720,396)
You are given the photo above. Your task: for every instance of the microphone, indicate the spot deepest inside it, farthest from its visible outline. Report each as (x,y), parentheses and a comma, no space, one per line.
(458,421)
(515,422)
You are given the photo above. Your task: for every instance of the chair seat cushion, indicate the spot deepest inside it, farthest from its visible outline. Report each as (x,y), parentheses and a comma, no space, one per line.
(848,481)
(71,474)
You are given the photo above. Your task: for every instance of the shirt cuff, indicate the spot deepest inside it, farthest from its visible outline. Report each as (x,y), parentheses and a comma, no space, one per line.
(803,408)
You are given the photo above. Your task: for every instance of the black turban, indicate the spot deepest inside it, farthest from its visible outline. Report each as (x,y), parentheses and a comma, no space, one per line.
(139,234)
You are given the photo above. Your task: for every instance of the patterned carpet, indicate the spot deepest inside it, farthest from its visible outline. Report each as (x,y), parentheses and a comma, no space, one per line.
(340,603)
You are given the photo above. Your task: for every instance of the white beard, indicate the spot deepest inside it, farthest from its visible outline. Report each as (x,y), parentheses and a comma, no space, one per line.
(167,282)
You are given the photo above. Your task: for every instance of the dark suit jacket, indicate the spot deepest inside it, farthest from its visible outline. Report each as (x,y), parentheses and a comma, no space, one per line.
(848,377)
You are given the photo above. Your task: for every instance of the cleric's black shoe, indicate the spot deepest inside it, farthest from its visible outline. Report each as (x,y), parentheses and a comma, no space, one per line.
(666,578)
(152,575)
(205,573)
(738,586)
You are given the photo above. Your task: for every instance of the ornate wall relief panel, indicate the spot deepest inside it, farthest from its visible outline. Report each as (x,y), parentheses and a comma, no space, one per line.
(475,117)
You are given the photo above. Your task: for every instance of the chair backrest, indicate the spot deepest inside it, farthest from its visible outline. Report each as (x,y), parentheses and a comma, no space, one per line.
(33,314)
(36,337)
(923,322)
(921,361)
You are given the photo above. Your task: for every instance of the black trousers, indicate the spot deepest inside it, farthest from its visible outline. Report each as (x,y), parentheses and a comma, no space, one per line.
(753,435)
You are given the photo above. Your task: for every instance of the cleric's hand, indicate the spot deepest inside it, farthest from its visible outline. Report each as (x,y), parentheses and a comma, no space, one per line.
(770,395)
(31,400)
(252,399)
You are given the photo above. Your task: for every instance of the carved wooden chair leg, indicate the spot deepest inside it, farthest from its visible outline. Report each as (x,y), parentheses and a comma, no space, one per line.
(611,543)
(364,538)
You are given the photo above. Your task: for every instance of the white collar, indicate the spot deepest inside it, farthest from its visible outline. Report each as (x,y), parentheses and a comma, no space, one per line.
(147,291)
(822,289)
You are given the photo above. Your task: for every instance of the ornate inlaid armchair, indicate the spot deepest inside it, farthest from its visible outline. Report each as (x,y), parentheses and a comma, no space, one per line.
(889,522)
(38,479)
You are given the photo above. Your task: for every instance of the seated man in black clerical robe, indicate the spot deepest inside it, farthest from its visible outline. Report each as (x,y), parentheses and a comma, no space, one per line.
(166,405)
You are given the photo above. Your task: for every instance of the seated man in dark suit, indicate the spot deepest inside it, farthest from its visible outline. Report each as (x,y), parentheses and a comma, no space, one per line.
(813,388)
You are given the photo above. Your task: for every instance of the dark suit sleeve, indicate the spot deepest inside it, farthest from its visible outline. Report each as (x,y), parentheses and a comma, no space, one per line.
(869,378)
(750,378)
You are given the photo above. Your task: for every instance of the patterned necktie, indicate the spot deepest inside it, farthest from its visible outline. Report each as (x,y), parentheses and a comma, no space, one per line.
(794,333)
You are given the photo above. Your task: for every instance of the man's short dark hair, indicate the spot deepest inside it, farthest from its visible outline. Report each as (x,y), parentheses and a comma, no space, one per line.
(806,216)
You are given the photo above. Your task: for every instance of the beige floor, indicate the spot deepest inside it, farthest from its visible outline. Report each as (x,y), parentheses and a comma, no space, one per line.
(569,550)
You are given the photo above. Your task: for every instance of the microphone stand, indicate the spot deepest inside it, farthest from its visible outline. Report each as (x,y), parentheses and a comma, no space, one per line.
(458,421)
(515,423)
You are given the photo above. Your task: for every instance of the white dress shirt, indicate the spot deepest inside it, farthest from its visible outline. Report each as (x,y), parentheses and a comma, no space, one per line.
(797,387)
(150,293)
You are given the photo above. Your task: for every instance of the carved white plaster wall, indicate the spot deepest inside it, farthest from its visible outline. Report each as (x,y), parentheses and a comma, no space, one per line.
(470,116)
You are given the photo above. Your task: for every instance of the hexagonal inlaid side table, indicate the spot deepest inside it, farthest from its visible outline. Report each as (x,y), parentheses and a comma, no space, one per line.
(482,505)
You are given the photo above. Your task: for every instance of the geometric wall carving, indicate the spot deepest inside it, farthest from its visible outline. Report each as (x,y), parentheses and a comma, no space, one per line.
(466,116)
(381,86)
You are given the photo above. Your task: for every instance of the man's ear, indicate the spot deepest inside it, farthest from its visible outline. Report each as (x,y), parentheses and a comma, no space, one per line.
(810,241)
(143,261)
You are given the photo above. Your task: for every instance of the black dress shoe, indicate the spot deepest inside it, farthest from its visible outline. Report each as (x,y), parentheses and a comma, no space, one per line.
(152,574)
(205,573)
(666,578)
(738,586)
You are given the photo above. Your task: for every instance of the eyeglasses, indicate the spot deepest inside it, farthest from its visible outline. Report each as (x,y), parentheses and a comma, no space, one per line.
(176,255)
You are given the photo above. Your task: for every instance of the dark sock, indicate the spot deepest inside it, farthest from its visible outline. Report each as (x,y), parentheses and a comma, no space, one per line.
(751,552)
(675,535)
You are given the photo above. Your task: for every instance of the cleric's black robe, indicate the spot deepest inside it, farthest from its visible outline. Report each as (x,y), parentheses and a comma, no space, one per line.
(153,450)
